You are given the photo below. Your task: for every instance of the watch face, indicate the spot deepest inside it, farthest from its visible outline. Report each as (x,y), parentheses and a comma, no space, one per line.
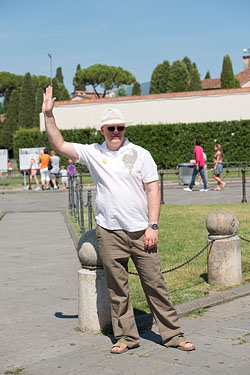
(153,226)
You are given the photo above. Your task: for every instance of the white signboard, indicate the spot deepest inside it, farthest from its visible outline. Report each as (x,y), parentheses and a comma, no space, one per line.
(26,154)
(3,160)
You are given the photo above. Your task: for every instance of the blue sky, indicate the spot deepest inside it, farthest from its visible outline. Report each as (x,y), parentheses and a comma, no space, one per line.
(134,34)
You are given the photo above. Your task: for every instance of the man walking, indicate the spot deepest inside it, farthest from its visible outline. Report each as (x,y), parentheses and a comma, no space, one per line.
(128,206)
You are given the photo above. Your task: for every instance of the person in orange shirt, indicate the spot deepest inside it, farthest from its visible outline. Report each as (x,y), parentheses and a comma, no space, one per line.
(45,173)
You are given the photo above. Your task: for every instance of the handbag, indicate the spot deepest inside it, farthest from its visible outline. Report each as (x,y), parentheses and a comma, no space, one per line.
(49,165)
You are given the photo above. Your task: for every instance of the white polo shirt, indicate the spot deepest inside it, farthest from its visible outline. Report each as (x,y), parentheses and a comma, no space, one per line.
(119,176)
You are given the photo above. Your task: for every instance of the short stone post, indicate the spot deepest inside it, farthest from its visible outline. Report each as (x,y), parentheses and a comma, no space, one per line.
(224,253)
(93,296)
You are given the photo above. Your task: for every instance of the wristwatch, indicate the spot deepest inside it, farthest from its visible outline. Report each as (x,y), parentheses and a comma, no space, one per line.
(153,226)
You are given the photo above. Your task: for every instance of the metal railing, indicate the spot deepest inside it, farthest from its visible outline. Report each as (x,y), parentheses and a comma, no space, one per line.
(241,169)
(76,202)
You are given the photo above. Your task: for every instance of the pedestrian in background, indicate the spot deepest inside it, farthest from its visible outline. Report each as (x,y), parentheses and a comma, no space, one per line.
(45,173)
(33,171)
(199,180)
(63,173)
(71,168)
(198,166)
(218,166)
(54,173)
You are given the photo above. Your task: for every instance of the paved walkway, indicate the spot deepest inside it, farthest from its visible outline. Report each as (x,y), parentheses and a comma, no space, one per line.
(38,289)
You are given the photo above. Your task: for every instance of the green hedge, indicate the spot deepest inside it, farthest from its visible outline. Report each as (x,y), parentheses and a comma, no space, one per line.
(169,144)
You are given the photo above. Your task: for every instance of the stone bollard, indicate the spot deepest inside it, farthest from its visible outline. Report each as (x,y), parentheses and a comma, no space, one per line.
(93,296)
(224,253)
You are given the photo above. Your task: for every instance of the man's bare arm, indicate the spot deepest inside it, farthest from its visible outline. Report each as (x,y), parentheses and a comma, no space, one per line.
(154,204)
(54,135)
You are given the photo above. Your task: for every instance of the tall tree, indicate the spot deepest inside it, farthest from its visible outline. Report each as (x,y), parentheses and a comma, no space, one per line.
(155,80)
(108,77)
(189,64)
(59,75)
(79,86)
(56,89)
(227,76)
(178,77)
(38,106)
(10,124)
(159,78)
(59,90)
(136,89)
(208,76)
(64,94)
(195,79)
(26,103)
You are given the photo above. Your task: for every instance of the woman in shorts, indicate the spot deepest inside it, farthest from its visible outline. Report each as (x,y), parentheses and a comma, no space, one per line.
(218,166)
(33,171)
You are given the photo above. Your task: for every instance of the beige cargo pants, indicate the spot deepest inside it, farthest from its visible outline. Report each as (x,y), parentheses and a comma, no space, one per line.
(116,247)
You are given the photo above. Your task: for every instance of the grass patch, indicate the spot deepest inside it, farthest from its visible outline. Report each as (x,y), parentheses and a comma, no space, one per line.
(197,313)
(182,233)
(15,371)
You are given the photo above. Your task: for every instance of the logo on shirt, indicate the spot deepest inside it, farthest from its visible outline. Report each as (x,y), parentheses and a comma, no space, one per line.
(104,161)
(129,160)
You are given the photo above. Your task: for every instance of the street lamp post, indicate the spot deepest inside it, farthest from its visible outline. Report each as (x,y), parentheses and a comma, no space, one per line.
(50,56)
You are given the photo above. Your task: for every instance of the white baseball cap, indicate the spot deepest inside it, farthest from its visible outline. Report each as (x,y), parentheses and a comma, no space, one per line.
(112,116)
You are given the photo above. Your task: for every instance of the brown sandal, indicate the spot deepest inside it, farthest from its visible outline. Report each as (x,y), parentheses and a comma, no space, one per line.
(182,346)
(121,345)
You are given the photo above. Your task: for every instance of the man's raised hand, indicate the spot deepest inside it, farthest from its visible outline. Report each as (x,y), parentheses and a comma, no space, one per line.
(48,101)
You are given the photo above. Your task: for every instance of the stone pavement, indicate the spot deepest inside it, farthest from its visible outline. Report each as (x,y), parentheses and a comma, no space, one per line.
(38,288)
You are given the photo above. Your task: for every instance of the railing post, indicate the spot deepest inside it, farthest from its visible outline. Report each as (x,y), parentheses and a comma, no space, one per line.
(243,171)
(162,187)
(90,209)
(77,199)
(72,196)
(224,249)
(81,206)
(93,295)
(69,193)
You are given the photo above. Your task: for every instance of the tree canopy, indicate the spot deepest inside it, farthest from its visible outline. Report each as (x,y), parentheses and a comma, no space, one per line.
(136,89)
(159,78)
(122,91)
(9,82)
(108,77)
(79,86)
(195,79)
(59,75)
(178,77)
(228,80)
(208,76)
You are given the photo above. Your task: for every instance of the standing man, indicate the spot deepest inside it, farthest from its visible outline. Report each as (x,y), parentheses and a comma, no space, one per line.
(125,176)
(54,173)
(198,166)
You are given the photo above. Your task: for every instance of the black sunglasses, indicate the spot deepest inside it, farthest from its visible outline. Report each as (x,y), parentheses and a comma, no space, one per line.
(112,128)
